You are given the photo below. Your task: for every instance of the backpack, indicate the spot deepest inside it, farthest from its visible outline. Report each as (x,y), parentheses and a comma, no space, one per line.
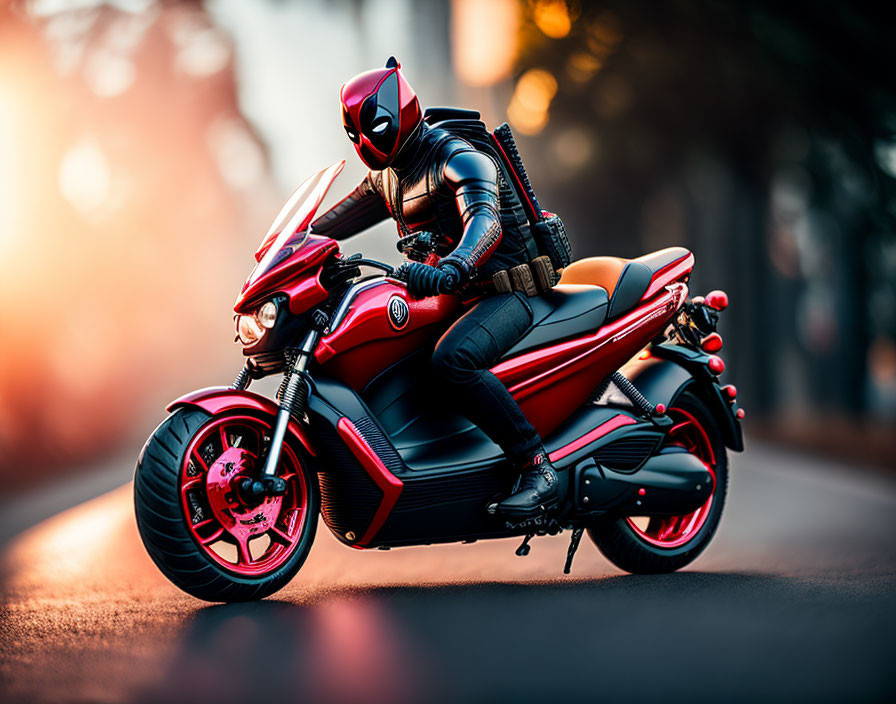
(544,232)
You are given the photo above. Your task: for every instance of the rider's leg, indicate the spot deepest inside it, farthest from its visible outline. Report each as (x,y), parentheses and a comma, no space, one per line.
(461,361)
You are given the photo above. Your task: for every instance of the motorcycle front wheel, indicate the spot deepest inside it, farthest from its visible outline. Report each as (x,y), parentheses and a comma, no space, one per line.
(658,544)
(196,525)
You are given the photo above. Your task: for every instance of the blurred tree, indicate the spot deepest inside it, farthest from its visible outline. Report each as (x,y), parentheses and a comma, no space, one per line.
(763,135)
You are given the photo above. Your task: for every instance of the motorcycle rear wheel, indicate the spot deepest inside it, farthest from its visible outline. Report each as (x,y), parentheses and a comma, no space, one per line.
(662,544)
(193,522)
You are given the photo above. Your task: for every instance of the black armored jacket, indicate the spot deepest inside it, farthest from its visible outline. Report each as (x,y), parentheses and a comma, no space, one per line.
(442,184)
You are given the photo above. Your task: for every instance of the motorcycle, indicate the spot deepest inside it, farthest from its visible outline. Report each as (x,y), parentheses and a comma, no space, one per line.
(618,373)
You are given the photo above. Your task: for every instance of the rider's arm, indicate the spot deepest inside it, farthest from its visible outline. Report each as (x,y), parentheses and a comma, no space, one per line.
(474,178)
(360,209)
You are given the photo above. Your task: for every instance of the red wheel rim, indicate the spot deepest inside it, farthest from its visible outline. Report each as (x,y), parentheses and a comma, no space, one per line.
(250,540)
(675,531)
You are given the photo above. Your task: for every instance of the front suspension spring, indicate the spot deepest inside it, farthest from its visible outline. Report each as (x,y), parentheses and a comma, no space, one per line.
(289,360)
(294,395)
(242,379)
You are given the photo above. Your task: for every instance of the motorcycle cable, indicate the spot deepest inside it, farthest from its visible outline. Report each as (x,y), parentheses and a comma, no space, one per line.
(361,261)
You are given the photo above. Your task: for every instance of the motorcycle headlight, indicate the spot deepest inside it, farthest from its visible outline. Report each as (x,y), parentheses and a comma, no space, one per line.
(267,315)
(248,329)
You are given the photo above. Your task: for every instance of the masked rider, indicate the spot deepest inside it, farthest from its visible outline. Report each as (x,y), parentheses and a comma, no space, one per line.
(431,181)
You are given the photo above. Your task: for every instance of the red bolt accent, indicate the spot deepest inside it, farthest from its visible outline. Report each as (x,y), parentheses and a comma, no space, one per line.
(711,343)
(731,390)
(716,365)
(717,300)
(661,408)
(740,413)
(642,491)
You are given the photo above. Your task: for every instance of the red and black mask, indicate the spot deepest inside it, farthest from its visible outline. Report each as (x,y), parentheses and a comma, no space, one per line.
(380,111)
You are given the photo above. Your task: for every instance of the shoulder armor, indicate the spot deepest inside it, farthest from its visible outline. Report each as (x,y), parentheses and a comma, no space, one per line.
(468,165)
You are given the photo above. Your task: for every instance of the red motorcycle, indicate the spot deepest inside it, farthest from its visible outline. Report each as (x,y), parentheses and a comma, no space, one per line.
(618,375)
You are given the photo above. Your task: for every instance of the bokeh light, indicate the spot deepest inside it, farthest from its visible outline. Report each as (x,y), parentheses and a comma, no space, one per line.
(528,109)
(552,17)
(484,39)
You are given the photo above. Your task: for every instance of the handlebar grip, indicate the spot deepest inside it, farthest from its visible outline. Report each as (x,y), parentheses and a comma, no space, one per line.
(450,281)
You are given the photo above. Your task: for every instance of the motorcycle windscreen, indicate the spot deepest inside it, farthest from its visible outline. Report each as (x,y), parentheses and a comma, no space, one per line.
(294,218)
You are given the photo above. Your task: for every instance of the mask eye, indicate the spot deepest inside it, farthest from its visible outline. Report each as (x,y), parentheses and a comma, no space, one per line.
(352,135)
(380,126)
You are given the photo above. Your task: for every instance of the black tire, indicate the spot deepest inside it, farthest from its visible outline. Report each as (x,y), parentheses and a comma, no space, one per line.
(162,523)
(622,546)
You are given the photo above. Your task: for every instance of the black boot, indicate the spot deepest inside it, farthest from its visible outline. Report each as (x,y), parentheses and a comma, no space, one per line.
(539,489)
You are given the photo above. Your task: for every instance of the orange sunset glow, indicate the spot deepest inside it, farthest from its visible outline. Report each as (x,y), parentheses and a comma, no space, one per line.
(118,136)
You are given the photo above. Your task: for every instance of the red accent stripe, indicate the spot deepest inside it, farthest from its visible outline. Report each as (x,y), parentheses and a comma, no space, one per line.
(373,465)
(668,274)
(606,427)
(514,372)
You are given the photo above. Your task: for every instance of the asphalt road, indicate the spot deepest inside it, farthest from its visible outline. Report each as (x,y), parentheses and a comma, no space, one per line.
(793,601)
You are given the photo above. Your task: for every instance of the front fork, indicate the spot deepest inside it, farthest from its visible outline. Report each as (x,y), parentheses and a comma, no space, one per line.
(293,397)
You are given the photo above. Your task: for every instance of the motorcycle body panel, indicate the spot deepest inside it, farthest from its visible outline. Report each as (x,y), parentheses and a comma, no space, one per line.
(434,472)
(549,383)
(382,326)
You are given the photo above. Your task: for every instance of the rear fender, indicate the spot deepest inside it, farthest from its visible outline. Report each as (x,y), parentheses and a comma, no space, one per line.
(670,369)
(220,399)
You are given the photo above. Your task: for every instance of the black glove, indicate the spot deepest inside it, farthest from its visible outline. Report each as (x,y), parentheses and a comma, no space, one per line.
(425,280)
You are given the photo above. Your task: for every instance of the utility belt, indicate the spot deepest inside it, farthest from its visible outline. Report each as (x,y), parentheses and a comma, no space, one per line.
(533,278)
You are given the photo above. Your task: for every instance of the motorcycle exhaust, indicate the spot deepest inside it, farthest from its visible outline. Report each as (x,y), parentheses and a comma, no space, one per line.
(671,483)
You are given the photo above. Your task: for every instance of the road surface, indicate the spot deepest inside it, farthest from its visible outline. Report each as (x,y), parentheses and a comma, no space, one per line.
(793,601)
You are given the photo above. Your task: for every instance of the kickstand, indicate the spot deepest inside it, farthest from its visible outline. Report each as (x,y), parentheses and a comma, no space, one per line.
(524,547)
(573,546)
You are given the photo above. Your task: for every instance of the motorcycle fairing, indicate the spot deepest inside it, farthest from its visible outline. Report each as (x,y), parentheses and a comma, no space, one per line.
(390,485)
(361,473)
(298,253)
(285,249)
(431,434)
(390,482)
(366,340)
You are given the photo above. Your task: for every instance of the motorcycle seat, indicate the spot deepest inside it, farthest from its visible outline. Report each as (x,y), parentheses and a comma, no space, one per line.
(565,311)
(626,281)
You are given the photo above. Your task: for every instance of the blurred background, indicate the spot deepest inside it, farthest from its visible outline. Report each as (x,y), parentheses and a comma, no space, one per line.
(145,145)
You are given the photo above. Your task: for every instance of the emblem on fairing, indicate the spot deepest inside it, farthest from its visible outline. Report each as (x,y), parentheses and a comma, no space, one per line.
(399,313)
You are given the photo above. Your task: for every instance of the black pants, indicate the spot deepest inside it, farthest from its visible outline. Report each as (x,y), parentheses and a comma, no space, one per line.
(461,362)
